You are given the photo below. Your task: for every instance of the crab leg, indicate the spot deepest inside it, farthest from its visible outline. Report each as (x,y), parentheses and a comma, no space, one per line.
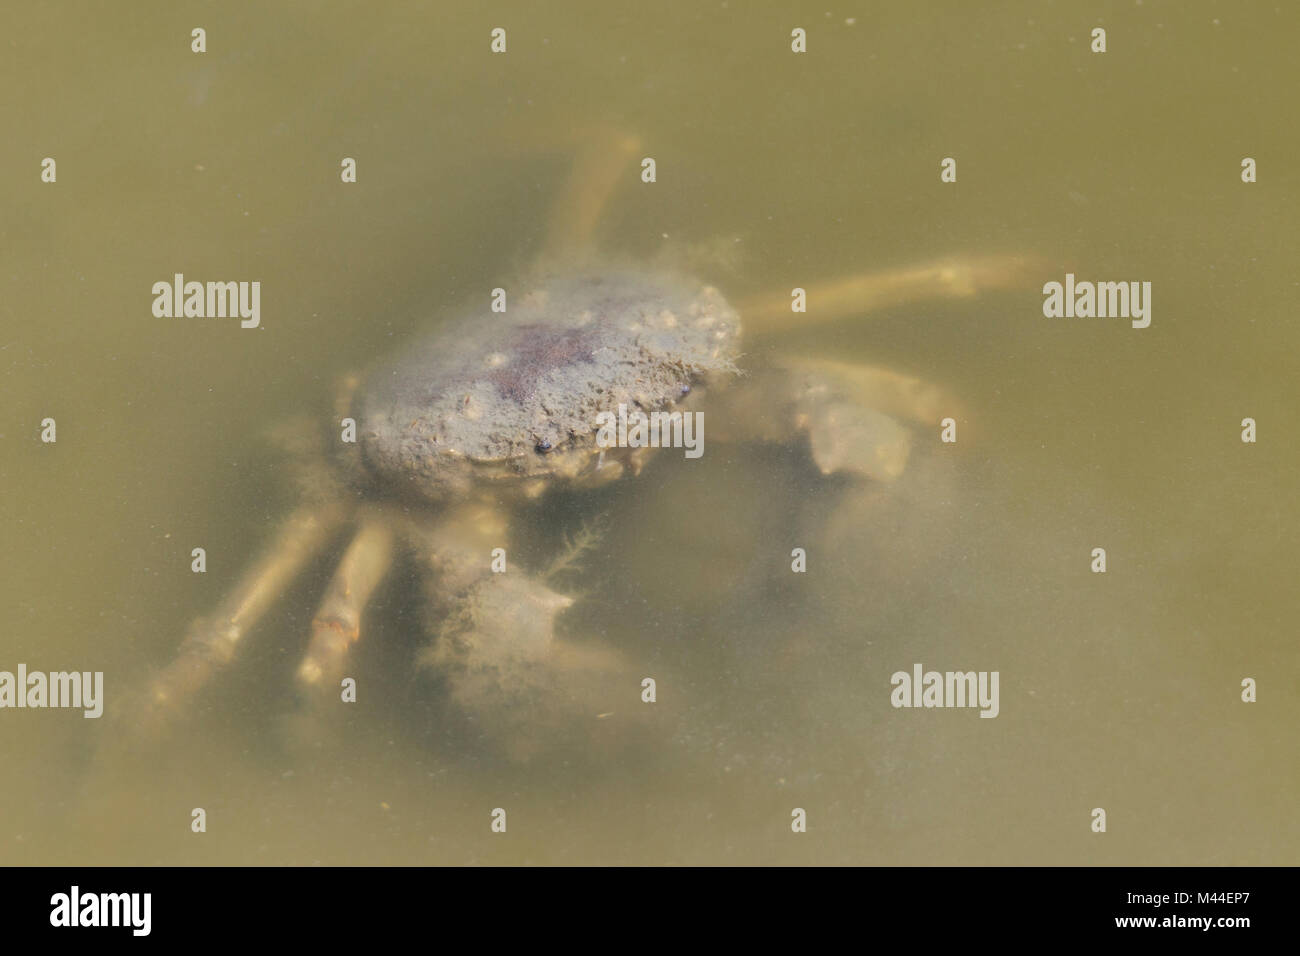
(337,624)
(872,386)
(213,641)
(458,547)
(957,278)
(601,163)
(849,412)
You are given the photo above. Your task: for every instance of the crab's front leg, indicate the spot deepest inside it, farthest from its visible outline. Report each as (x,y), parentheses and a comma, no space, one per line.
(853,415)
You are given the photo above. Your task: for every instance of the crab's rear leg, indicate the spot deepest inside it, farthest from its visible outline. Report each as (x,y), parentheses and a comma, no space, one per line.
(954,278)
(602,159)
(214,640)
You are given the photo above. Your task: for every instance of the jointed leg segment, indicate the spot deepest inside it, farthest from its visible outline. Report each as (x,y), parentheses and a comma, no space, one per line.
(337,624)
(213,641)
(600,163)
(956,278)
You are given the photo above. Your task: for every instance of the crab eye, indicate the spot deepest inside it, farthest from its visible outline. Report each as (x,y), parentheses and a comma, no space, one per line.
(686,389)
(543,446)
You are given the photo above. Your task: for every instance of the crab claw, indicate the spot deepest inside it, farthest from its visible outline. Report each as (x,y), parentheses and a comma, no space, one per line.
(501,628)
(858,440)
(506,670)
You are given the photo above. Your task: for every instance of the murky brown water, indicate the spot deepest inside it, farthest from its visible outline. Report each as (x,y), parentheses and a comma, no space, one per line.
(1118,691)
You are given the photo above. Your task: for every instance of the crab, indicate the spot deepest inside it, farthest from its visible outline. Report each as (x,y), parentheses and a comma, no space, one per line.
(495,409)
